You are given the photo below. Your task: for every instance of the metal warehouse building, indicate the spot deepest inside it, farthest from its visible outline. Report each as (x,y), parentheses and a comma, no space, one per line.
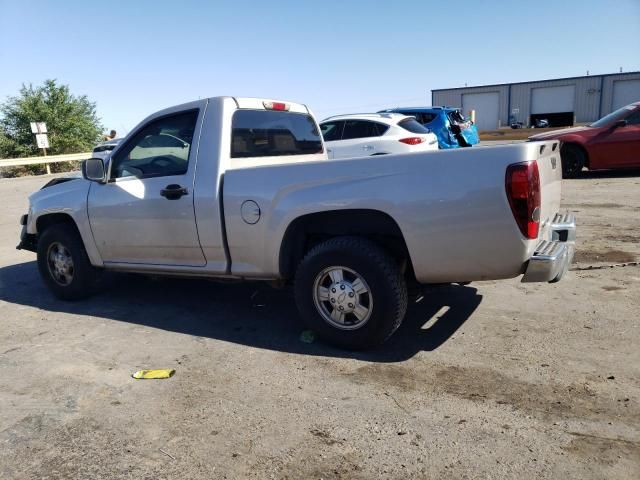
(562,101)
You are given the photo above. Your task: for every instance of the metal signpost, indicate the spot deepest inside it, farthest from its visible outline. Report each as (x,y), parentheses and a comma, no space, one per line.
(40,130)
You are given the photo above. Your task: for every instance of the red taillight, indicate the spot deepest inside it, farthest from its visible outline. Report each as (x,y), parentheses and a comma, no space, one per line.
(276,106)
(523,192)
(412,140)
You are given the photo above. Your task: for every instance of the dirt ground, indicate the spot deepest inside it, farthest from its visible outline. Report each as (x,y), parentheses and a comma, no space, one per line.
(513,134)
(492,380)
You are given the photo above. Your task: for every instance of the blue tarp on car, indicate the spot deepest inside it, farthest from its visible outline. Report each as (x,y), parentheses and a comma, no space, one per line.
(448,124)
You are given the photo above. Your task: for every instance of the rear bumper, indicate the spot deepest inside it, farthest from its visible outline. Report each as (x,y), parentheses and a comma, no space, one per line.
(563,228)
(552,258)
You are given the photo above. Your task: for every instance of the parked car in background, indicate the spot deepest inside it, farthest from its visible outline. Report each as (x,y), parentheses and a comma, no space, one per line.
(540,123)
(102,150)
(360,135)
(448,124)
(611,142)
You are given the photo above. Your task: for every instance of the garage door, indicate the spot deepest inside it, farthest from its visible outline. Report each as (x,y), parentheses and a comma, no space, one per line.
(486,106)
(553,99)
(625,92)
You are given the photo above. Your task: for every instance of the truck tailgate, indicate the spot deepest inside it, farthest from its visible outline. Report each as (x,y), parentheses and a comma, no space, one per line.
(549,166)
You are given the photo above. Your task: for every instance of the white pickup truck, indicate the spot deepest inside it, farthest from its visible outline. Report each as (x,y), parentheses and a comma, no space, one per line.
(241,188)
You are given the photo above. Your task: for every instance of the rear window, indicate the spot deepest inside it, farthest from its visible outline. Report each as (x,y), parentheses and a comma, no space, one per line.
(456,116)
(412,125)
(268,133)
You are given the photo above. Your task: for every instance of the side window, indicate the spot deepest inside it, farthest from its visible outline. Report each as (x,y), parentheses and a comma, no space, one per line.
(423,117)
(359,129)
(428,117)
(420,117)
(634,118)
(160,149)
(381,128)
(332,131)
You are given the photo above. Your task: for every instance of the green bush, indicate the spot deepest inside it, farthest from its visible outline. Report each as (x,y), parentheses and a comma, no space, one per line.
(72,126)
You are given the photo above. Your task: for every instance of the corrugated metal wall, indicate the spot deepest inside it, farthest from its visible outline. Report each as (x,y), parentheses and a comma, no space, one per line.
(607,89)
(593,96)
(450,98)
(586,101)
(453,98)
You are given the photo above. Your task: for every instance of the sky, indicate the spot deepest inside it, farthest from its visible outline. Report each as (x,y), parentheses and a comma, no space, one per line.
(135,57)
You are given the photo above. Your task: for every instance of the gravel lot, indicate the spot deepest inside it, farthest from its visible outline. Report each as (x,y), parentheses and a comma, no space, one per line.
(492,380)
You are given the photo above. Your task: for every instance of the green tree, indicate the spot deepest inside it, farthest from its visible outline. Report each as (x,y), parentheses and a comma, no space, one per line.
(71,121)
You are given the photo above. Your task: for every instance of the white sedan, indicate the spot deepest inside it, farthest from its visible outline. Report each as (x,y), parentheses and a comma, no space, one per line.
(360,135)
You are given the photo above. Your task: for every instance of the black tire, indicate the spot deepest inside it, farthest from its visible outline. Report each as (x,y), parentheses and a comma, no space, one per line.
(573,159)
(386,289)
(82,276)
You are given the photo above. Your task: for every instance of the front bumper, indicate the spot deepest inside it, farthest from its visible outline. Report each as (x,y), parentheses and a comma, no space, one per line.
(552,258)
(28,241)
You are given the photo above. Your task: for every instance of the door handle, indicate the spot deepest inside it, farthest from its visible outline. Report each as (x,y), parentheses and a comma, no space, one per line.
(174,191)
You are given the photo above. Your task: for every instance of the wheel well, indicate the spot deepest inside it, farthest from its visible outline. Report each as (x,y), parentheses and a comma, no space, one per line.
(45,221)
(309,230)
(579,147)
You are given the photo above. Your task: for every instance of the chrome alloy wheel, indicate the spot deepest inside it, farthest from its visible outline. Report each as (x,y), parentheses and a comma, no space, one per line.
(60,264)
(342,297)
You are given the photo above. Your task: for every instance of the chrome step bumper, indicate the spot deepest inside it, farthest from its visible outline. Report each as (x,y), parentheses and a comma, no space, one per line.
(552,258)
(563,228)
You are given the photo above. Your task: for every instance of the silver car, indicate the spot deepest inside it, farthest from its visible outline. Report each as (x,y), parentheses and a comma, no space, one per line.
(104,149)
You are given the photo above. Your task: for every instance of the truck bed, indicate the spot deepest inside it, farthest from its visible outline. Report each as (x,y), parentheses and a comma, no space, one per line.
(450,205)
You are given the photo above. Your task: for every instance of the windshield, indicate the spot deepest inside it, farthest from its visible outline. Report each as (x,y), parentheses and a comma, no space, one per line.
(613,117)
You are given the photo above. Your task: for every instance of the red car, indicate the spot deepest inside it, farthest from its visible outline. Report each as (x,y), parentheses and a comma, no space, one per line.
(611,142)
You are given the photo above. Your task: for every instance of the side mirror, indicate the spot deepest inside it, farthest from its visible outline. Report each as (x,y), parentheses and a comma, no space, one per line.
(93,170)
(620,123)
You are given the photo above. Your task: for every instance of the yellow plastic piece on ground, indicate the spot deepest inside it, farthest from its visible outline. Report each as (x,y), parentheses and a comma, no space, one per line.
(161,373)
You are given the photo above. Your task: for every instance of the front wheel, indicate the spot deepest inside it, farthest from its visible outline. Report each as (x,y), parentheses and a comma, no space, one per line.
(63,263)
(351,292)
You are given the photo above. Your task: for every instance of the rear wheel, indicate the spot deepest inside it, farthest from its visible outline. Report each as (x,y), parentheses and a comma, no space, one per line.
(351,292)
(573,159)
(63,263)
